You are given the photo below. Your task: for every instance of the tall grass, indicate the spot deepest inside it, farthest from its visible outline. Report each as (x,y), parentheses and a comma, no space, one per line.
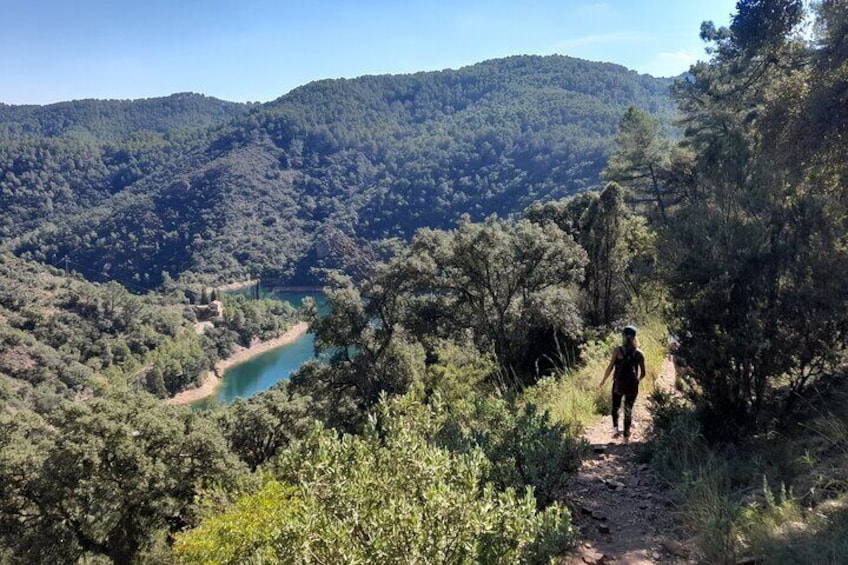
(738,501)
(572,395)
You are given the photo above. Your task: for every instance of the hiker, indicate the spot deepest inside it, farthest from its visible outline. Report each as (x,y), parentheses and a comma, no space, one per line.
(629,364)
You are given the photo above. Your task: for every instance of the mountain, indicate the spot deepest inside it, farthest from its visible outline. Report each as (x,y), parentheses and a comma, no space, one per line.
(116,120)
(273,190)
(65,158)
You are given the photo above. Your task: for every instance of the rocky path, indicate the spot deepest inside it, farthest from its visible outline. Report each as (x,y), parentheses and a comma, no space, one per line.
(619,504)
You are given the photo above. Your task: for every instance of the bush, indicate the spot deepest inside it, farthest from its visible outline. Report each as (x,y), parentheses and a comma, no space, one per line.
(527,449)
(389,496)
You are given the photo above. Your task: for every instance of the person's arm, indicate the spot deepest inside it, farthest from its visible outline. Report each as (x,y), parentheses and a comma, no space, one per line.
(609,369)
(642,370)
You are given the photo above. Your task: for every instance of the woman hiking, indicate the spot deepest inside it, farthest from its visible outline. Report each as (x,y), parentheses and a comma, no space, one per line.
(628,361)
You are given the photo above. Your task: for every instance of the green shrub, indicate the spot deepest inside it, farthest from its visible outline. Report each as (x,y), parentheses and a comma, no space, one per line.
(527,449)
(676,443)
(710,513)
(389,496)
(782,534)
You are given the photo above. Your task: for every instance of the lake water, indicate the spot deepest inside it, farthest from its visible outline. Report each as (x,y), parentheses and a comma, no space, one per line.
(264,371)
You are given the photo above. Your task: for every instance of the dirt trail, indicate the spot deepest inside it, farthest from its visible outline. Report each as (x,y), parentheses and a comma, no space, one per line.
(619,504)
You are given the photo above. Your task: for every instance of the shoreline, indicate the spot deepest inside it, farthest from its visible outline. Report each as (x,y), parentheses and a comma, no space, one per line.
(213,379)
(238,285)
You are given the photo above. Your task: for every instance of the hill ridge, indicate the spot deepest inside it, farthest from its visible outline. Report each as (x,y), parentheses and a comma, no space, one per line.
(270,192)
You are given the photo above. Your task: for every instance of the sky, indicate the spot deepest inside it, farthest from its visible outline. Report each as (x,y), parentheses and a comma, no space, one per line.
(257,50)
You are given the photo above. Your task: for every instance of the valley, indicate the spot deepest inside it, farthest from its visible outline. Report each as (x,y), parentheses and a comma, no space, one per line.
(388,318)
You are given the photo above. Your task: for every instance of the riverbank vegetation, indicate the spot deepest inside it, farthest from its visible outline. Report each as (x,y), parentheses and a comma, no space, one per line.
(64,338)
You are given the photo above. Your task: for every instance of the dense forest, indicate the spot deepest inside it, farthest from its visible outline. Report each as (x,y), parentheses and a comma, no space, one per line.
(289,184)
(67,158)
(459,364)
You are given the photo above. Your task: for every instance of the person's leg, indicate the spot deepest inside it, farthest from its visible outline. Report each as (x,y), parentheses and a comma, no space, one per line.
(629,400)
(616,404)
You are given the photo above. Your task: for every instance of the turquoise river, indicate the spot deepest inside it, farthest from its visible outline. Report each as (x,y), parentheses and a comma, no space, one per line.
(265,370)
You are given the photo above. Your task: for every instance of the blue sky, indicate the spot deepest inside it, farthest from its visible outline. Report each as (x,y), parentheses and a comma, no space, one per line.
(257,50)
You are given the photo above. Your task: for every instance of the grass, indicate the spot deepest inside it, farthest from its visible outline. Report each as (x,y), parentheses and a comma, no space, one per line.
(573,397)
(779,497)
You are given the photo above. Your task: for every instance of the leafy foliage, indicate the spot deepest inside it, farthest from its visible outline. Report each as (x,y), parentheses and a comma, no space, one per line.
(618,244)
(509,287)
(102,476)
(388,497)
(258,428)
(756,249)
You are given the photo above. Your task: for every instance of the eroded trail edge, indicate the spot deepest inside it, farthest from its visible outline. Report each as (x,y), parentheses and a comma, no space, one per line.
(618,502)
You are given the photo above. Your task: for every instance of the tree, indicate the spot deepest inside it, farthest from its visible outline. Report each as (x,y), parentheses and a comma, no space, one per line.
(260,427)
(501,280)
(755,264)
(364,351)
(642,160)
(618,244)
(604,236)
(510,287)
(102,477)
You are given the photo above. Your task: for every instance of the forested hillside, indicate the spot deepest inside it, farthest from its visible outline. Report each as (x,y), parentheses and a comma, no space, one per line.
(64,338)
(66,158)
(288,185)
(116,120)
(441,420)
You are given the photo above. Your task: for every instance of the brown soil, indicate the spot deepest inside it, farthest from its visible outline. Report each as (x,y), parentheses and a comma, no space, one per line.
(18,358)
(619,504)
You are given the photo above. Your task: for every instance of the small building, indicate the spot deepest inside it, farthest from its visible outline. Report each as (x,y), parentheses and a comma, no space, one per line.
(216,309)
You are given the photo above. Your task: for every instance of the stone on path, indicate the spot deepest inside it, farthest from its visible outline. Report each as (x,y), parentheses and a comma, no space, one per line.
(588,555)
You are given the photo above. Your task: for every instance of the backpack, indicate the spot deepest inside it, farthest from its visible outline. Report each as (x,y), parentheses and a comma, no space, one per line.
(627,371)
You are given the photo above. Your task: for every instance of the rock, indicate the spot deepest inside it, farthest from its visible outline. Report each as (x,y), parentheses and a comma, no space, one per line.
(604,528)
(656,555)
(676,548)
(599,449)
(747,561)
(615,485)
(585,510)
(592,556)
(598,515)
